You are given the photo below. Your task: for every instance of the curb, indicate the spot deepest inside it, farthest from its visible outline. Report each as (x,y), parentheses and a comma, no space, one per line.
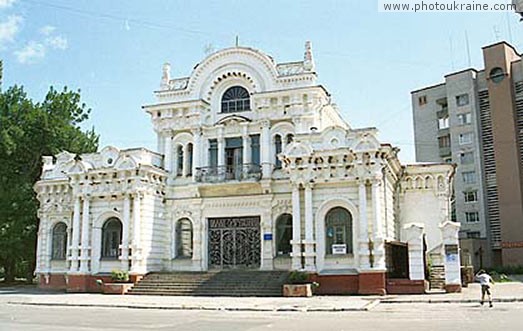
(367,307)
(450,300)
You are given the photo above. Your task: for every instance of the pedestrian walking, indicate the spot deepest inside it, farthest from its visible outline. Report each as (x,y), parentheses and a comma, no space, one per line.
(486,282)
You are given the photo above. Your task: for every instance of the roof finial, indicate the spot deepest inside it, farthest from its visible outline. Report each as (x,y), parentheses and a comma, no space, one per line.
(308,60)
(166,76)
(237,41)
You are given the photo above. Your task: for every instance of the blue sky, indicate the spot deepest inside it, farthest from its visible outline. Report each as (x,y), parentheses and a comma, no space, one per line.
(114,50)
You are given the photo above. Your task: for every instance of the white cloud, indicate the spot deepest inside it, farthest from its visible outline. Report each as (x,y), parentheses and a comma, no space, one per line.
(46,30)
(9,28)
(32,52)
(6,3)
(57,42)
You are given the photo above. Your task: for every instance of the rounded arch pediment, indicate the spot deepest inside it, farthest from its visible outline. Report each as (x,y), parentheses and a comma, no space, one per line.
(256,69)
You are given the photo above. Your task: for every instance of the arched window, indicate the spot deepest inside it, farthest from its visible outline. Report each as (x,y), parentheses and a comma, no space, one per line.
(338,230)
(183,238)
(59,241)
(277,150)
(179,161)
(111,238)
(235,99)
(283,234)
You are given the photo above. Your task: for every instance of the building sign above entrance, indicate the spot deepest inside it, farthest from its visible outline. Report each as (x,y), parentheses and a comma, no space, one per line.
(339,249)
(267,236)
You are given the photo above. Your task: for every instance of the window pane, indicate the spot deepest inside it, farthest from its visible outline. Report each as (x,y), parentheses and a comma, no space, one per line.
(234,99)
(255,149)
(183,238)
(338,229)
(284,234)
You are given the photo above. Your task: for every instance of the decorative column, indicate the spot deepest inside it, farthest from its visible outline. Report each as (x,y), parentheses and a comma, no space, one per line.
(136,243)
(39,247)
(124,247)
(265,138)
(309,242)
(84,257)
(196,152)
(168,161)
(246,142)
(364,228)
(413,234)
(96,248)
(449,232)
(266,249)
(160,143)
(296,228)
(185,165)
(48,247)
(378,241)
(221,148)
(75,242)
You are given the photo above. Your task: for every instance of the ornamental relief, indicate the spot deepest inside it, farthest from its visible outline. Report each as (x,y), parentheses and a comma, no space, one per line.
(232,204)
(282,206)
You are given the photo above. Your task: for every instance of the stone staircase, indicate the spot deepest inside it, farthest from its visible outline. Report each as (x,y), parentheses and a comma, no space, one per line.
(236,283)
(437,277)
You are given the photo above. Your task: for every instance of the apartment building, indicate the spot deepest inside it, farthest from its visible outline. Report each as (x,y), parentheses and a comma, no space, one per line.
(475,120)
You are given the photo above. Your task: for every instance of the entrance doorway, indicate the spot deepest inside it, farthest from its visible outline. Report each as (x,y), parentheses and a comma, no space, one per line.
(234,242)
(233,158)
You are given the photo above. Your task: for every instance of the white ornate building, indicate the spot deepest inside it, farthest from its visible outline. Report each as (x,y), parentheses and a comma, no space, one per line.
(255,168)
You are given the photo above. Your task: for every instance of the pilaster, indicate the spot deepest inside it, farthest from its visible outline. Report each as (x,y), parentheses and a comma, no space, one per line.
(296,229)
(310,243)
(85,248)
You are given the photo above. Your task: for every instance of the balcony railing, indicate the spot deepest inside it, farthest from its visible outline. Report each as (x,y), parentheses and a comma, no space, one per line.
(217,174)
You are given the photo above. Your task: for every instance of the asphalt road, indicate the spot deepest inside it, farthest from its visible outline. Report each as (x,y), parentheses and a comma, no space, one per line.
(404,317)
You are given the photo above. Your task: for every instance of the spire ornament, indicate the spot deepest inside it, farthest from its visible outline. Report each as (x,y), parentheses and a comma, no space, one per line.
(308,59)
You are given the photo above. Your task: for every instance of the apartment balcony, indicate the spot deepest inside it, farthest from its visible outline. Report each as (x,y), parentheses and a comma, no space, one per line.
(228,173)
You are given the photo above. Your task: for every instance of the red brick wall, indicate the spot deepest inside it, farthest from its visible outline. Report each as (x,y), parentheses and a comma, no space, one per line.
(405,286)
(336,284)
(54,281)
(372,283)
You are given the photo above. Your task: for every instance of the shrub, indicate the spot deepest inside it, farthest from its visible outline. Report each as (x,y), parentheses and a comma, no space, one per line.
(119,276)
(299,277)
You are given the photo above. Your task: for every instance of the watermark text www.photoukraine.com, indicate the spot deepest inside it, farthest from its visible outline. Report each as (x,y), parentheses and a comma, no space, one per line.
(446,5)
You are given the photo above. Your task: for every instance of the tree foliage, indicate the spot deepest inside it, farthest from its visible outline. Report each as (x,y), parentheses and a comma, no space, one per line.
(28,131)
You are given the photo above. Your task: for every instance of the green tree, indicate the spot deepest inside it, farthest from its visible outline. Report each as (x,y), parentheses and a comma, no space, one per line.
(28,131)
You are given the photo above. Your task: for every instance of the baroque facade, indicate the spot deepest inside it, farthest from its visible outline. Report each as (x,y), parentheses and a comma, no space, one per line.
(256,169)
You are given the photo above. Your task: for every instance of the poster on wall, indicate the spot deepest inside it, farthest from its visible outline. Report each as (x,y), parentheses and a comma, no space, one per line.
(339,249)
(451,253)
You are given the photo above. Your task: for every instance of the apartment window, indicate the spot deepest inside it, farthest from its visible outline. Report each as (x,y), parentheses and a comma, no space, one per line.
(469,177)
(422,100)
(443,122)
(465,138)
(444,141)
(472,217)
(465,118)
(471,196)
(473,234)
(467,158)
(462,100)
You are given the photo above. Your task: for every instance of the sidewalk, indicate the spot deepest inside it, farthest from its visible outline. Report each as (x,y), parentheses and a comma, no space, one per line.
(504,292)
(501,292)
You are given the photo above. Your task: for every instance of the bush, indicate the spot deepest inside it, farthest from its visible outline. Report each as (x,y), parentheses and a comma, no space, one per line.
(299,277)
(119,276)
